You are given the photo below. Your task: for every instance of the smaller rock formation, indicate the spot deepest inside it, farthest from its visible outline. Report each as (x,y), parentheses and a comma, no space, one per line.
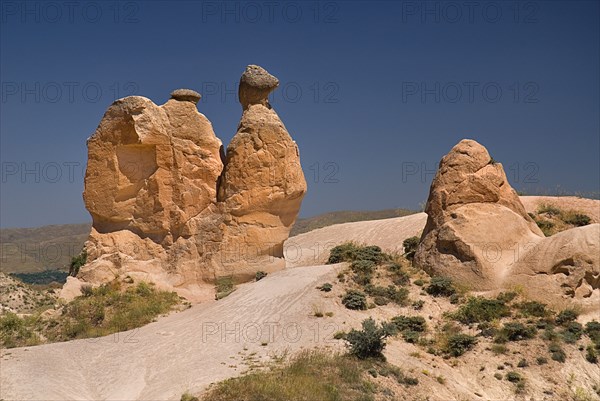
(476,221)
(478,234)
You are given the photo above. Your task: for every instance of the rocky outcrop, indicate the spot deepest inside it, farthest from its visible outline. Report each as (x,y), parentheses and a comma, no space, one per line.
(479,234)
(169,206)
(474,219)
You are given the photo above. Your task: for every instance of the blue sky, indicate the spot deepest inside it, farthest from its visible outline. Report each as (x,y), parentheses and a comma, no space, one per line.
(375,93)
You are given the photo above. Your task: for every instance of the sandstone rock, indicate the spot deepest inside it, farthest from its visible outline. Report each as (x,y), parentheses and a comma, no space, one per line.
(563,267)
(476,221)
(478,234)
(255,85)
(165,206)
(263,184)
(186,95)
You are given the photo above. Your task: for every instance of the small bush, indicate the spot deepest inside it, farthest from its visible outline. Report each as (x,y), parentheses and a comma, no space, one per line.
(350,252)
(566,316)
(514,377)
(260,275)
(549,210)
(355,300)
(77,262)
(418,305)
(592,329)
(325,287)
(557,353)
(533,308)
(410,247)
(572,332)
(515,331)
(440,287)
(419,282)
(224,286)
(578,220)
(370,341)
(591,354)
(458,344)
(339,335)
(480,309)
(411,323)
(522,363)
(541,360)
(498,349)
(188,397)
(380,301)
(546,227)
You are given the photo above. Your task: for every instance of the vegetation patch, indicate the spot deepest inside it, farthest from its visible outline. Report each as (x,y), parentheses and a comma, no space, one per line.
(355,300)
(224,286)
(100,311)
(480,309)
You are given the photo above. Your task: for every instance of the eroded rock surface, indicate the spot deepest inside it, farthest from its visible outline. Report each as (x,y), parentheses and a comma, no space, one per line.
(169,206)
(479,234)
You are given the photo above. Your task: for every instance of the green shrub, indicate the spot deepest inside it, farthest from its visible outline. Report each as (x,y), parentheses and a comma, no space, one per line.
(350,252)
(514,377)
(515,331)
(458,344)
(411,323)
(380,301)
(549,209)
(591,354)
(572,332)
(557,353)
(440,287)
(224,286)
(499,349)
(188,397)
(533,308)
(77,262)
(419,282)
(325,287)
(479,309)
(410,247)
(546,226)
(355,300)
(370,341)
(486,329)
(507,297)
(566,316)
(522,363)
(541,360)
(260,275)
(592,329)
(363,266)
(578,220)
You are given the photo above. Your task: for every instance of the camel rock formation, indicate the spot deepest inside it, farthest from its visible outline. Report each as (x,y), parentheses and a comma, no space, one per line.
(170,207)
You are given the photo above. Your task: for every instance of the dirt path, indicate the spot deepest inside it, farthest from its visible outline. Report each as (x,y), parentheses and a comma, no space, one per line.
(184,351)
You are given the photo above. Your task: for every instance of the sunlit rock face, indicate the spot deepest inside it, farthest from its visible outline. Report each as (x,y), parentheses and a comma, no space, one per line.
(479,234)
(170,206)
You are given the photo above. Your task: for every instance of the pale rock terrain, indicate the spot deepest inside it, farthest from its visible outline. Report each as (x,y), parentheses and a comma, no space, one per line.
(187,351)
(169,207)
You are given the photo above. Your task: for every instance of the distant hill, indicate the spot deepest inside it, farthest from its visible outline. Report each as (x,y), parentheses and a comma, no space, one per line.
(345,216)
(32,250)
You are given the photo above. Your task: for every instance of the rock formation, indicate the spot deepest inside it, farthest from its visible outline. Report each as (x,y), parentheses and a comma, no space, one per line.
(479,234)
(168,205)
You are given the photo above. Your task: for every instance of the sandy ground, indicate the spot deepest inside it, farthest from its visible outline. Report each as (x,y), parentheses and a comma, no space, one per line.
(182,352)
(312,248)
